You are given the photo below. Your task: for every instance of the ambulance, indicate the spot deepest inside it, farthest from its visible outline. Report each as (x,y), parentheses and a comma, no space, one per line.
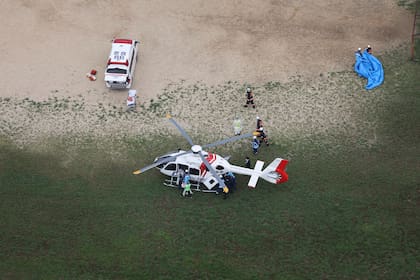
(121,64)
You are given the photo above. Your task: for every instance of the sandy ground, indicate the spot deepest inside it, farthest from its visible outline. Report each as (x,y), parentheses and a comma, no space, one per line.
(49,45)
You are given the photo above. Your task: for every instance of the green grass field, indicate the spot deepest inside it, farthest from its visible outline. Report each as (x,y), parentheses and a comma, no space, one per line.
(347,212)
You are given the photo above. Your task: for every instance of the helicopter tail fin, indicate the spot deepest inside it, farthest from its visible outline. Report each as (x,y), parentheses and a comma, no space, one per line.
(276,172)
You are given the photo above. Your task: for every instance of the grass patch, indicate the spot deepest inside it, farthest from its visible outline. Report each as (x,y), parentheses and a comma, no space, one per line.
(344,217)
(408,4)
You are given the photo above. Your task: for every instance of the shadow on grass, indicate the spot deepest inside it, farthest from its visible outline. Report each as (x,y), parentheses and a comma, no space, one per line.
(347,212)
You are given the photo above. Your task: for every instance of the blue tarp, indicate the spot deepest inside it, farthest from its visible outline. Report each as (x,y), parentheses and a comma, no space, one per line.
(369,67)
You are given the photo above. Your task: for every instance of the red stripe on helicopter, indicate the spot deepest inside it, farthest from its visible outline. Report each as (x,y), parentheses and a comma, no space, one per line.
(203,172)
(210,158)
(280,170)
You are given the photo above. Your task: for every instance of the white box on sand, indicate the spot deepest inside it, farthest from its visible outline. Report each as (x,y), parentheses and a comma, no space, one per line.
(131,99)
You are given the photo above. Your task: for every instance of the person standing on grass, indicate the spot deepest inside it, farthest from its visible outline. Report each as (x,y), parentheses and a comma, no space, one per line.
(263,135)
(187,190)
(187,178)
(181,175)
(225,192)
(259,123)
(237,126)
(231,181)
(249,98)
(255,145)
(260,130)
(247,162)
(186,182)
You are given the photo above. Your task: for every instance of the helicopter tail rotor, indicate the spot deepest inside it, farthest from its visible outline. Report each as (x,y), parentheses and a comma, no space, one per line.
(276,172)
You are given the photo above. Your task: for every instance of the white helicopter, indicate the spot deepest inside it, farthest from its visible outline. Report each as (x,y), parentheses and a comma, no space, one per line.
(206,169)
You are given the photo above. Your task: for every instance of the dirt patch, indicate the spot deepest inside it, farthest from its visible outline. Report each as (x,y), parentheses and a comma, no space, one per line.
(52,44)
(196,57)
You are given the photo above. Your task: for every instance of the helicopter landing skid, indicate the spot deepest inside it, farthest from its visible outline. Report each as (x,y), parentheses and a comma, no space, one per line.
(195,186)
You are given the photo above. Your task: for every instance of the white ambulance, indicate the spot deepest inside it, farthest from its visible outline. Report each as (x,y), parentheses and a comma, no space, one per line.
(121,64)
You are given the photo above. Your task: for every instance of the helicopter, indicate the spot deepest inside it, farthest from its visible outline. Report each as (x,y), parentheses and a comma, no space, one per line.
(207,170)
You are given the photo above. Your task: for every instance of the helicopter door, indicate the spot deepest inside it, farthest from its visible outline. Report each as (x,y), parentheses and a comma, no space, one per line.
(180,171)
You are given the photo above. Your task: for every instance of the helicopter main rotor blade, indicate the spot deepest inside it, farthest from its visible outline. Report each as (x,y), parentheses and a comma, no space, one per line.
(183,132)
(231,139)
(159,162)
(212,171)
